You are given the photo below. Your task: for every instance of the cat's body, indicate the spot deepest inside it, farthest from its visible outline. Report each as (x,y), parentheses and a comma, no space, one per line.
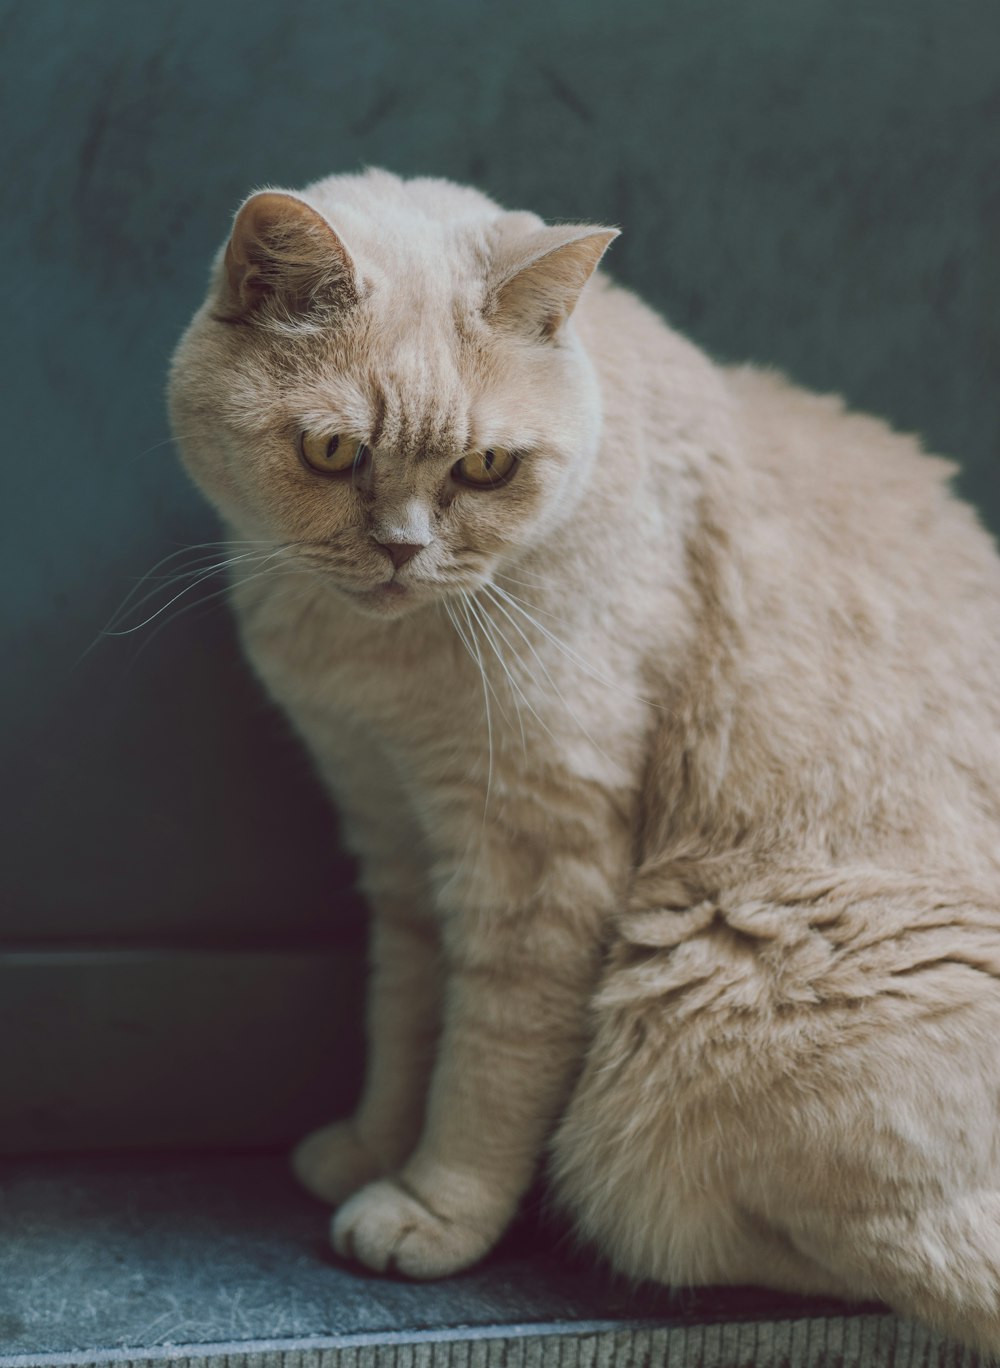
(682,828)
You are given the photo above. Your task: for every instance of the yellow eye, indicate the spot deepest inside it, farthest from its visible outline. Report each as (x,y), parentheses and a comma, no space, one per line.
(485,469)
(333,455)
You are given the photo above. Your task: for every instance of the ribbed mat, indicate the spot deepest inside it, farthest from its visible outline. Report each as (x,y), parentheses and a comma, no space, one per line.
(827,1342)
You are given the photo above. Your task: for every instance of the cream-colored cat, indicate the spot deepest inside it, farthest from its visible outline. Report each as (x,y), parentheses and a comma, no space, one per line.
(662,706)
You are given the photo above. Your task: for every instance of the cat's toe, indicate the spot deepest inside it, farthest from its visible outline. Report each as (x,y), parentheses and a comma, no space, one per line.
(332,1163)
(392,1230)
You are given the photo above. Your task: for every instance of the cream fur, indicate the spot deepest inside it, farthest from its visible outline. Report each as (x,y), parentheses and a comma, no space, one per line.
(710,902)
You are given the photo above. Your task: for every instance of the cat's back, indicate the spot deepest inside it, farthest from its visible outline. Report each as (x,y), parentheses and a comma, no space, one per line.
(870,629)
(862,514)
(842,682)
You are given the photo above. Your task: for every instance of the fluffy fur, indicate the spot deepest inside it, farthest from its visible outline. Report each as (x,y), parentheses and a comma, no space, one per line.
(673,764)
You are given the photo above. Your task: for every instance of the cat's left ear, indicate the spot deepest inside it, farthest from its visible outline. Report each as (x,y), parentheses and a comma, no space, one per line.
(537,291)
(283,255)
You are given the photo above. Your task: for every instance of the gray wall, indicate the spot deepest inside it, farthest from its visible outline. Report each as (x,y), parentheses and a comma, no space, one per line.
(809,183)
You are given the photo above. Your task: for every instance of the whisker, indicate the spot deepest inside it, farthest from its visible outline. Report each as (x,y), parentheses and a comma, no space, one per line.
(487,625)
(532,582)
(486,700)
(559,694)
(210,548)
(527,701)
(128,631)
(167,441)
(470,639)
(534,606)
(207,601)
(459,630)
(131,604)
(569,653)
(175,577)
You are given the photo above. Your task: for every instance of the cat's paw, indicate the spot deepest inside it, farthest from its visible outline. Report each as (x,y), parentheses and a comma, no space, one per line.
(392,1229)
(333,1163)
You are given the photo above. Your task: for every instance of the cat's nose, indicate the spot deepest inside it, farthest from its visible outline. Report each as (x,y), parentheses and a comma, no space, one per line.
(400,552)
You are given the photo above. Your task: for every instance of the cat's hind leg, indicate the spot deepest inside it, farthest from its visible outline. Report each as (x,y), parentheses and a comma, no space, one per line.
(804,1097)
(940,1264)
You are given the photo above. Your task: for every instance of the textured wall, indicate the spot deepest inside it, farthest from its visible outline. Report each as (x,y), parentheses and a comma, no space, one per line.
(813,183)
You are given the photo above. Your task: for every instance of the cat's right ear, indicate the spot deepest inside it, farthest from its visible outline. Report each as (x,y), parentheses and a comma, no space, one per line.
(284,258)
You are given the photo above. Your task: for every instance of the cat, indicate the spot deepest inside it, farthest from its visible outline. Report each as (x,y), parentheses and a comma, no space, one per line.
(661,703)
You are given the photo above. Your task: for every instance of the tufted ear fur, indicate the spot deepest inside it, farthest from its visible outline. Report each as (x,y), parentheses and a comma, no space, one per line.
(536,287)
(283,257)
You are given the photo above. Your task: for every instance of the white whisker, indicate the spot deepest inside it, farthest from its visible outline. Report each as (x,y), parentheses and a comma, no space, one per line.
(487,624)
(175,577)
(568,652)
(558,692)
(208,548)
(167,441)
(486,700)
(534,679)
(210,600)
(532,582)
(459,630)
(202,577)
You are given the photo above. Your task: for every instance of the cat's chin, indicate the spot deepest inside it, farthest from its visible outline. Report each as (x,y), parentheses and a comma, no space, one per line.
(389,600)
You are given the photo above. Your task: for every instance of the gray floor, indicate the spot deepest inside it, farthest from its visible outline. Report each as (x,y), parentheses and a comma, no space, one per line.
(222,1259)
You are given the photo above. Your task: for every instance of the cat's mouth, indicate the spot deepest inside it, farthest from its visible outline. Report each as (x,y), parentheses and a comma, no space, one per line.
(393,598)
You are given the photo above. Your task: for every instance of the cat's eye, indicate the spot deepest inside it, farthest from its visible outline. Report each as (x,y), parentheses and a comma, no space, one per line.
(334,455)
(485,469)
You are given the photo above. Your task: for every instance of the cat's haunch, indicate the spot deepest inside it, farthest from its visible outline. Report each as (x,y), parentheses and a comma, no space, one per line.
(661,704)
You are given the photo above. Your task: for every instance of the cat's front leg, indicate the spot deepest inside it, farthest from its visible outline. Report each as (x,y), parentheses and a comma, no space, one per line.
(404,986)
(519,978)
(403,1020)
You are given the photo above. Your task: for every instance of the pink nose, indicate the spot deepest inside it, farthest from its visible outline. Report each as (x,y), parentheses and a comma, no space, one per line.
(400,552)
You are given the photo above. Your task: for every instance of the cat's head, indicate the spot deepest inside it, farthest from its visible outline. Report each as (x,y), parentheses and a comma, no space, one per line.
(385,381)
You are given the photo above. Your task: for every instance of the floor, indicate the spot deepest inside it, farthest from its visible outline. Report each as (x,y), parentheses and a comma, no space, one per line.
(221,1260)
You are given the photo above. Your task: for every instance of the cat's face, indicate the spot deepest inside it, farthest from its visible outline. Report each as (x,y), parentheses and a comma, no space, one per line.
(403,414)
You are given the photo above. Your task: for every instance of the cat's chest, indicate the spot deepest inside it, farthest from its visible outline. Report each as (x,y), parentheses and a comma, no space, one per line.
(320,659)
(443,698)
